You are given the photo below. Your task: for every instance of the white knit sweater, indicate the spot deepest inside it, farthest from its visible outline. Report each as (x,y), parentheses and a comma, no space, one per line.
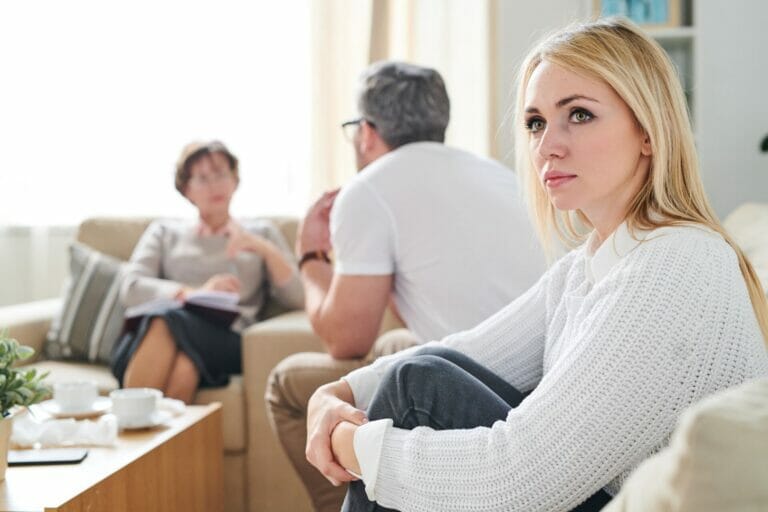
(616,342)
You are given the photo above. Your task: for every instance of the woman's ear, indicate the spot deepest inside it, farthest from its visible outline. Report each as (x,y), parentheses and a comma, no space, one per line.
(645,149)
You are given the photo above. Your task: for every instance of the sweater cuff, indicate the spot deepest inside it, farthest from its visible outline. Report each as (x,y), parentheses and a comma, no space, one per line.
(367,443)
(387,489)
(166,288)
(363,382)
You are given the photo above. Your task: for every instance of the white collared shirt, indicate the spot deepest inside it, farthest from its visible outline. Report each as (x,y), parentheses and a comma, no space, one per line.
(616,342)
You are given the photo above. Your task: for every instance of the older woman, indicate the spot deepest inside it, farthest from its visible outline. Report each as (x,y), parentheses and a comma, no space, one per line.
(176,350)
(548,404)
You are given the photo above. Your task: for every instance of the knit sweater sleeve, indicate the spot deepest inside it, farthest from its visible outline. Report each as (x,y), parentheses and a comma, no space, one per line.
(642,351)
(291,293)
(143,278)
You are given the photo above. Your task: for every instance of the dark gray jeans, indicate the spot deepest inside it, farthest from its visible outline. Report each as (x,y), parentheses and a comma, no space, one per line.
(442,389)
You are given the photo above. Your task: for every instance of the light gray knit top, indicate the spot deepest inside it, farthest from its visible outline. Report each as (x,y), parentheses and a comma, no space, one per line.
(171,253)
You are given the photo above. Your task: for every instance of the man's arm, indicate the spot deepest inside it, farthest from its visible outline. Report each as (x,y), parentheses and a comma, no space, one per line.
(345,311)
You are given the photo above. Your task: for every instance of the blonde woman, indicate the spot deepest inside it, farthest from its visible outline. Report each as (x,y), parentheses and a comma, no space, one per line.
(176,350)
(656,309)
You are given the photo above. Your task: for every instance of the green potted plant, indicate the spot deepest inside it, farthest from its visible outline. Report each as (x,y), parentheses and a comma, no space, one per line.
(17,387)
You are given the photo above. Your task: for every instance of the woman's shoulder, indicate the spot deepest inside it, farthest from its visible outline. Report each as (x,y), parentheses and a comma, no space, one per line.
(687,249)
(695,240)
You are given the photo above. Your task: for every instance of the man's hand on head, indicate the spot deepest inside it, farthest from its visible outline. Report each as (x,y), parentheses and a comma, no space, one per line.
(314,230)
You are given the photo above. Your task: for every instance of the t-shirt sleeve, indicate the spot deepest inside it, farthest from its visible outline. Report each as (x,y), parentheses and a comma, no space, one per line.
(362,232)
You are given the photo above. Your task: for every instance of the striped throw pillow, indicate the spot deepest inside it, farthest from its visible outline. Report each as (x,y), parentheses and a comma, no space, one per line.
(92,316)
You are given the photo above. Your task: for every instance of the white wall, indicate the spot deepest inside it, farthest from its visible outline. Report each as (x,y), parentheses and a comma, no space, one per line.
(519,25)
(731,102)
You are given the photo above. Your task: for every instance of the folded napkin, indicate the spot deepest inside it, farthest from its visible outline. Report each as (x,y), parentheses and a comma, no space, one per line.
(38,429)
(30,430)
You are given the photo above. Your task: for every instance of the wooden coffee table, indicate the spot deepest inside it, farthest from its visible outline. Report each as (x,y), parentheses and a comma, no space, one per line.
(177,466)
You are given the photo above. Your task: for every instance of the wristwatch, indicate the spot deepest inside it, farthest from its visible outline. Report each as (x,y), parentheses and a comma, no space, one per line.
(313,255)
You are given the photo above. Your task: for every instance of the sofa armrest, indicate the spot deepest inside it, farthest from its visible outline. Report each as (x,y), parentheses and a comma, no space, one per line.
(272,483)
(29,322)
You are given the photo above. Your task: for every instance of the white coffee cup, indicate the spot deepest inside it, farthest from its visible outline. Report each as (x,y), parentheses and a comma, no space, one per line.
(75,395)
(132,405)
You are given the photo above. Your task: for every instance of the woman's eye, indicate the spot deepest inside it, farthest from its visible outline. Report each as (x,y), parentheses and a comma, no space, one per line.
(534,124)
(581,116)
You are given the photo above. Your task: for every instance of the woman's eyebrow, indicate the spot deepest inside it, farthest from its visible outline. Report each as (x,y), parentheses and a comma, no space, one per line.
(563,102)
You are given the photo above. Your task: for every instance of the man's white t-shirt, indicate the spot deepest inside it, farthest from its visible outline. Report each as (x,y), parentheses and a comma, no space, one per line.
(448,225)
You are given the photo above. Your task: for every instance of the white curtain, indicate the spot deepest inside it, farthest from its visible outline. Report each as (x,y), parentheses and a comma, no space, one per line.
(98,98)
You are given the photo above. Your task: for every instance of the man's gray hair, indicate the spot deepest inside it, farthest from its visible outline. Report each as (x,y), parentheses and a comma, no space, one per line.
(406,103)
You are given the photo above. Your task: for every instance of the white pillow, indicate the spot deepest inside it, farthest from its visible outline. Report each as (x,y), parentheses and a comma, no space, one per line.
(717,459)
(748,225)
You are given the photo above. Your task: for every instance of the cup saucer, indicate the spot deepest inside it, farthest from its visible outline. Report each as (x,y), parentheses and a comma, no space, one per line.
(153,420)
(98,407)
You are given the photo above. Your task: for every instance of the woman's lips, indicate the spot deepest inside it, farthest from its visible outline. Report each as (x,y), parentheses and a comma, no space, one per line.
(558,181)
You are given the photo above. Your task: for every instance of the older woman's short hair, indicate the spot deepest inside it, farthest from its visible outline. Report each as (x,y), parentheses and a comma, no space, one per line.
(193,152)
(404,102)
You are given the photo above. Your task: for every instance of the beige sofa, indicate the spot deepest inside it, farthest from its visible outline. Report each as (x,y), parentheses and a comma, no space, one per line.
(257,476)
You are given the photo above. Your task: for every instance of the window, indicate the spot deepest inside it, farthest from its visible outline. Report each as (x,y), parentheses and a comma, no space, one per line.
(98,98)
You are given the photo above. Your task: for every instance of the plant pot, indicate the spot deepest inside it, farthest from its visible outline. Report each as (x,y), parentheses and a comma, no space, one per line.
(6,425)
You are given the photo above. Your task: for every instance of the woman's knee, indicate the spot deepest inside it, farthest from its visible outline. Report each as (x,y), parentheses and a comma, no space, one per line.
(157,327)
(185,369)
(416,383)
(158,337)
(415,373)
(446,353)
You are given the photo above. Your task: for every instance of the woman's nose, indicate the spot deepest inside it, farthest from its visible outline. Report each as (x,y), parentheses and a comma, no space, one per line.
(553,143)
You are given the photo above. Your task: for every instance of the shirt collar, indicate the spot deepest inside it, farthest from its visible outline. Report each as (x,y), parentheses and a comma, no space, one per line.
(621,242)
(204,230)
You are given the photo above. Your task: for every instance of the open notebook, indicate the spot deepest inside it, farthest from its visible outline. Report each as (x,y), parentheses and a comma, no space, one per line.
(219,307)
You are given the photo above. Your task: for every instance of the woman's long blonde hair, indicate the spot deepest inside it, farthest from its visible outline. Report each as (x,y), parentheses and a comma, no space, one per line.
(617,52)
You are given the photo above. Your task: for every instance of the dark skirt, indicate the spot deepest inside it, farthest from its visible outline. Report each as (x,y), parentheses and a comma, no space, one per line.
(213,348)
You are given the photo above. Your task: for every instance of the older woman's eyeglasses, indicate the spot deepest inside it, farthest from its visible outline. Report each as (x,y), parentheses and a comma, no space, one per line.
(350,127)
(205,180)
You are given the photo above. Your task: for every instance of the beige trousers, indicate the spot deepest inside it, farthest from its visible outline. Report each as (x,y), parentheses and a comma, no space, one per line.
(289,388)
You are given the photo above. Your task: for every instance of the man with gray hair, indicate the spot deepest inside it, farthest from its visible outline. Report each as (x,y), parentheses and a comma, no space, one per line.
(436,232)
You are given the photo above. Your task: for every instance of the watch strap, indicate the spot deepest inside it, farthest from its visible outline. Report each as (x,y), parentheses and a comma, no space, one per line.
(313,255)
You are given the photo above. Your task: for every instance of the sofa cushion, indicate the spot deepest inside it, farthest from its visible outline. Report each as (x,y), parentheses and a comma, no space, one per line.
(115,236)
(748,225)
(91,318)
(232,400)
(62,371)
(716,460)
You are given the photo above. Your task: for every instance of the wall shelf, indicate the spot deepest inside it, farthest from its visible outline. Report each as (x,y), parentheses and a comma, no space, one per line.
(672,33)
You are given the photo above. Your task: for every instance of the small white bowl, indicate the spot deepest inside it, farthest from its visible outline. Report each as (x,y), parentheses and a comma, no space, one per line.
(75,395)
(134,405)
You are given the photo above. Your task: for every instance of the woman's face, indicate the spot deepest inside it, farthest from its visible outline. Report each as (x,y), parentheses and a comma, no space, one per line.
(588,150)
(211,184)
